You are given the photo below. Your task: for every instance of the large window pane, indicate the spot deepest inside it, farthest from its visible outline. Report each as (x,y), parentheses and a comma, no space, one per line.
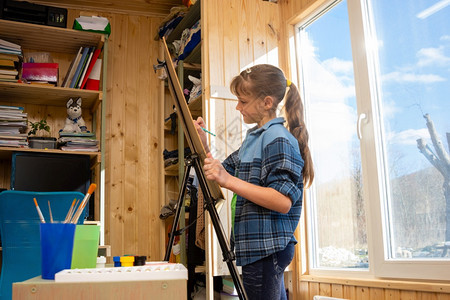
(338,220)
(413,39)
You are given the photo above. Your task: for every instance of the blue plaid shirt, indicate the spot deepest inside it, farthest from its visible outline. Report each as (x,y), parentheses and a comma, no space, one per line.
(268,157)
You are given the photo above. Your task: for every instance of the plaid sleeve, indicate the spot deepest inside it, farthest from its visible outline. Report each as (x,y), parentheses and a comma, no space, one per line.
(282,167)
(230,163)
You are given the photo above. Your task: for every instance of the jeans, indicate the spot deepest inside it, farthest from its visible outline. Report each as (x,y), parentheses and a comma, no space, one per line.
(264,279)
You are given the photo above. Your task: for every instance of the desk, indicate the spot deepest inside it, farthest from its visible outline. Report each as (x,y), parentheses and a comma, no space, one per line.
(38,288)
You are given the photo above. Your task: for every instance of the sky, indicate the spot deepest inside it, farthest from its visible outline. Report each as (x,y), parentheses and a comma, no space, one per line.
(413,40)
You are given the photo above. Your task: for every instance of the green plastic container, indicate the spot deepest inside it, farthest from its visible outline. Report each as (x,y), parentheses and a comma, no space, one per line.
(85,246)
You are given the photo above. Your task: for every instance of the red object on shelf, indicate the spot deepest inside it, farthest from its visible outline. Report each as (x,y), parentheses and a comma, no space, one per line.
(93,81)
(40,72)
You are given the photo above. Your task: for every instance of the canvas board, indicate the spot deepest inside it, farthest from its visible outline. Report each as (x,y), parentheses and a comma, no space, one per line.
(184,114)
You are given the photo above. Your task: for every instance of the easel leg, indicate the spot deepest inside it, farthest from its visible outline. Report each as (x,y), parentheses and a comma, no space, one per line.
(180,206)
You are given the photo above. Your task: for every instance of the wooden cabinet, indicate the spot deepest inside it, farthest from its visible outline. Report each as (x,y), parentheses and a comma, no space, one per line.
(48,102)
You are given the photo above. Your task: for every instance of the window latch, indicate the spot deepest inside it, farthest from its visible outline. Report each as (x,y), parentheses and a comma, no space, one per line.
(361,117)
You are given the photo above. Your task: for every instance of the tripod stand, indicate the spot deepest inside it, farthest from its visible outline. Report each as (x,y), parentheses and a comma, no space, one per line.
(209,205)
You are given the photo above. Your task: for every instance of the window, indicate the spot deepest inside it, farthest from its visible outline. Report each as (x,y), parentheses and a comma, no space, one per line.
(380,139)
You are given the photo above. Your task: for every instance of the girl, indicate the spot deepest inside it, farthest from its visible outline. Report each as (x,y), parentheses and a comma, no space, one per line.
(267,174)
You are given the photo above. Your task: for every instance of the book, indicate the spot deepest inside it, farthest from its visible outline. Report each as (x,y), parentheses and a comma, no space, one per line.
(12,113)
(93,82)
(20,136)
(76,76)
(11,107)
(7,50)
(8,80)
(91,65)
(12,57)
(6,63)
(77,134)
(72,68)
(87,149)
(9,45)
(13,143)
(7,77)
(82,68)
(85,67)
(42,72)
(9,72)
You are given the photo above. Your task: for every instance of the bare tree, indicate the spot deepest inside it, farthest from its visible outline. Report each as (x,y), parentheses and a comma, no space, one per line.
(441,161)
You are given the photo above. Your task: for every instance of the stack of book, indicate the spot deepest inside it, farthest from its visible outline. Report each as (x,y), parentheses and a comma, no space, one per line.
(13,124)
(84,67)
(10,55)
(82,141)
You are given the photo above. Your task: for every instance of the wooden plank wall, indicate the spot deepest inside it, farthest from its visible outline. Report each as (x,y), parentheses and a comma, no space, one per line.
(133,151)
(308,286)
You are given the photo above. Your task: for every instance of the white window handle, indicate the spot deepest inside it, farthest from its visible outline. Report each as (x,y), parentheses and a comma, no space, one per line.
(361,117)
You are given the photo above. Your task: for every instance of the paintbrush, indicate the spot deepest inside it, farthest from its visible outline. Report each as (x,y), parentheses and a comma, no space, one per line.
(83,203)
(39,211)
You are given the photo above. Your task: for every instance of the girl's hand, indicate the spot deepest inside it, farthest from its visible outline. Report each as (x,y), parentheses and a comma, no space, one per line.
(215,171)
(199,123)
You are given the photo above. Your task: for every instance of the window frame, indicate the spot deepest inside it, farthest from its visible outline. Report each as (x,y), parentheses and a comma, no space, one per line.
(375,187)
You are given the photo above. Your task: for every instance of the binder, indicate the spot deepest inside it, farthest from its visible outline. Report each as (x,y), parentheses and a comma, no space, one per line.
(72,68)
(85,67)
(76,76)
(91,65)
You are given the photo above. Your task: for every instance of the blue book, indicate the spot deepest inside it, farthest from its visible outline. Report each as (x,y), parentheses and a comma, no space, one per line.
(79,67)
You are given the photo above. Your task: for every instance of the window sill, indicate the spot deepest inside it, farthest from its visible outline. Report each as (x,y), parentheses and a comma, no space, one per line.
(422,286)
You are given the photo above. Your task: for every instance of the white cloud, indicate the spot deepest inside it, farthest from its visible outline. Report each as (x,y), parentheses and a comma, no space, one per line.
(332,129)
(407,137)
(327,86)
(337,65)
(432,57)
(331,113)
(412,78)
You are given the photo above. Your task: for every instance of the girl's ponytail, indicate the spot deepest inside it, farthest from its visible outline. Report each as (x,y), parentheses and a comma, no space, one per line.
(293,109)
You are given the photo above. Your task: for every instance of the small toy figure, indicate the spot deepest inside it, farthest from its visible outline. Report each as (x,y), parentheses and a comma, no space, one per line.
(74,120)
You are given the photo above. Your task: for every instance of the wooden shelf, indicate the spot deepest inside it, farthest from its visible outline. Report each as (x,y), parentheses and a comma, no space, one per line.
(48,38)
(46,95)
(6,152)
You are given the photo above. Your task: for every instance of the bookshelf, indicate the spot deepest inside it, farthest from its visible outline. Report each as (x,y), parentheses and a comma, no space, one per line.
(40,101)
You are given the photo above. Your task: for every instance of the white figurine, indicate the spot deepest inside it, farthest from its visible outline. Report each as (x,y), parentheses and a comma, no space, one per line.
(74,120)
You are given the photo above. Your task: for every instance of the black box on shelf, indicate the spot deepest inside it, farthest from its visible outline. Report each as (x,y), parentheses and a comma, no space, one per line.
(22,11)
